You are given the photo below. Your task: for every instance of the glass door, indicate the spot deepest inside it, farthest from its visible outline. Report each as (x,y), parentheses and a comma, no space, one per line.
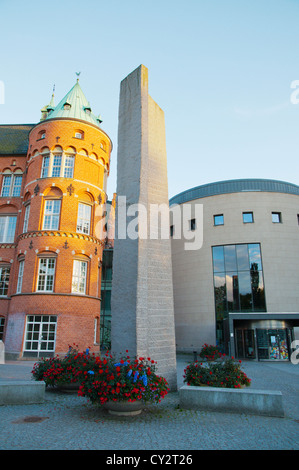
(40,335)
(245,343)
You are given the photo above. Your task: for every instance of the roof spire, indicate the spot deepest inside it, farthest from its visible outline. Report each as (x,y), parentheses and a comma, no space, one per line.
(46,110)
(78,75)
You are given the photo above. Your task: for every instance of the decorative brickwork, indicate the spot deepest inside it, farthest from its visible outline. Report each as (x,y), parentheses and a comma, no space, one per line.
(52,238)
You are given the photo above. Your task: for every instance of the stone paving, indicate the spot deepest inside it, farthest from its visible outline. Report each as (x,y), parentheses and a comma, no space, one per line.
(67,422)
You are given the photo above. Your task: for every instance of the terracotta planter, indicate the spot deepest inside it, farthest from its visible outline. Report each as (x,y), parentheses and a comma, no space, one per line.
(124,408)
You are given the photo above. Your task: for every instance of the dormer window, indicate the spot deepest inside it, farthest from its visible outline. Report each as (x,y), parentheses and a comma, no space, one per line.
(67,105)
(41,135)
(79,134)
(87,109)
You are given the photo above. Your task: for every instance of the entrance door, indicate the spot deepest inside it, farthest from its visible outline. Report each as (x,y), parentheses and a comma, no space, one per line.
(245,346)
(40,335)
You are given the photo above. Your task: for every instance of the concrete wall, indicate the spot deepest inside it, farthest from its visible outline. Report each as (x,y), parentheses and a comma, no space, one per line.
(193,270)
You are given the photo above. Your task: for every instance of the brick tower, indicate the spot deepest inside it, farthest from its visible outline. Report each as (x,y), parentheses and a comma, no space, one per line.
(51,214)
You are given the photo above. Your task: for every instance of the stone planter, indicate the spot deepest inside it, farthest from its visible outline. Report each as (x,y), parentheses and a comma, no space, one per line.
(231,400)
(124,408)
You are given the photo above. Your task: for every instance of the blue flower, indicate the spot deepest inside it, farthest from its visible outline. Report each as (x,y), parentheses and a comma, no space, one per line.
(129,373)
(87,351)
(91,372)
(135,376)
(119,364)
(144,378)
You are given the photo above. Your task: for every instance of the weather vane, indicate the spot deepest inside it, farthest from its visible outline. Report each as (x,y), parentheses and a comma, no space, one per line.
(78,75)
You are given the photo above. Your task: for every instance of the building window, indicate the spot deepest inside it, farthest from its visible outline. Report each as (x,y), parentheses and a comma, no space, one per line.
(56,168)
(298,218)
(79,277)
(79,135)
(238,282)
(69,166)
(276,217)
(96,331)
(83,221)
(192,224)
(45,166)
(51,214)
(4,279)
(248,217)
(26,218)
(171,230)
(40,335)
(218,219)
(238,278)
(2,323)
(20,276)
(11,186)
(7,228)
(46,273)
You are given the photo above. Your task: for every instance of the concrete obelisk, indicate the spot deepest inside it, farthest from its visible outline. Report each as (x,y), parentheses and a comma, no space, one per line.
(142,310)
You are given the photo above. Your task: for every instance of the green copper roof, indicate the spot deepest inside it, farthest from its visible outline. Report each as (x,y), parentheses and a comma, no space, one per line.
(74,105)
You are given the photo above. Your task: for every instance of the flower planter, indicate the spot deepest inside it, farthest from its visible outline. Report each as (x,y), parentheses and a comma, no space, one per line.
(124,408)
(232,400)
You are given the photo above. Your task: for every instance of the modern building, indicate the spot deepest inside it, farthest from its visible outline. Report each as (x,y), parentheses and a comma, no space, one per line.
(53,178)
(240,287)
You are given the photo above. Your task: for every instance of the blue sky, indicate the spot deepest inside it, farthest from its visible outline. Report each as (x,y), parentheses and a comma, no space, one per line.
(220,69)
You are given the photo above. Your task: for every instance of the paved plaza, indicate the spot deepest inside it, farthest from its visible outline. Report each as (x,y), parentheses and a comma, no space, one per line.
(67,422)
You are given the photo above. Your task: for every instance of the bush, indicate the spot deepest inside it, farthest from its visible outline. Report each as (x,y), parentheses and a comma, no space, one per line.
(122,380)
(227,374)
(63,370)
(210,352)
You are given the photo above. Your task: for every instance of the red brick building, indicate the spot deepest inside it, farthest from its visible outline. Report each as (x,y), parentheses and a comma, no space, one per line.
(52,206)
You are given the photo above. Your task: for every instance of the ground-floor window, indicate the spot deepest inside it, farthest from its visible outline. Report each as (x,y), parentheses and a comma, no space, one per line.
(40,335)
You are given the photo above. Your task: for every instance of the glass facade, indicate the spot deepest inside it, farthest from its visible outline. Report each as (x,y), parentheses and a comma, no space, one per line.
(106,285)
(238,281)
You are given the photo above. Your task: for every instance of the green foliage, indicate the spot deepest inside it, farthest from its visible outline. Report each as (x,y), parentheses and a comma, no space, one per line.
(210,352)
(226,373)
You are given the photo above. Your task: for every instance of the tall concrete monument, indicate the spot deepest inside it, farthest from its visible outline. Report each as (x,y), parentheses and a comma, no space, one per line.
(142,291)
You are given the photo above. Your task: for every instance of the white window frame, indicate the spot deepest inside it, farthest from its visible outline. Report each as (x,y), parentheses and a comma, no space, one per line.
(45,166)
(58,165)
(40,334)
(51,215)
(68,166)
(56,168)
(20,276)
(6,236)
(26,218)
(11,189)
(6,267)
(46,274)
(84,219)
(79,277)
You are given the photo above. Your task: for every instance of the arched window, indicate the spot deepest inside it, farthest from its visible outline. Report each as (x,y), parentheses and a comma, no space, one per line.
(11,184)
(4,279)
(79,278)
